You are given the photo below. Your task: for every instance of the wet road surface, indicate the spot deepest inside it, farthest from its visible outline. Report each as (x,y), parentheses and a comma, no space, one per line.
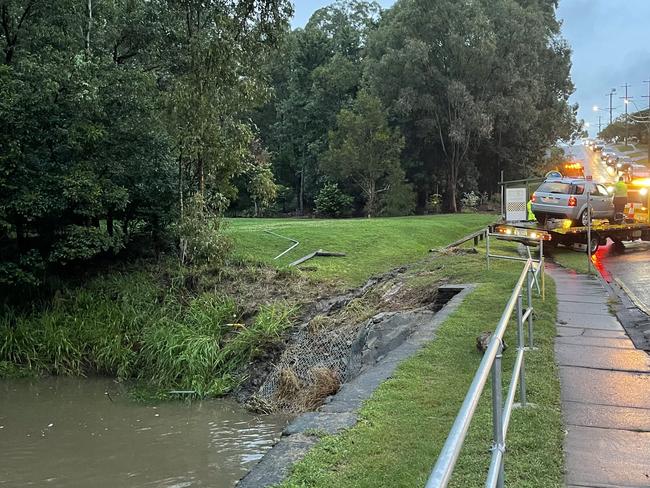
(630,269)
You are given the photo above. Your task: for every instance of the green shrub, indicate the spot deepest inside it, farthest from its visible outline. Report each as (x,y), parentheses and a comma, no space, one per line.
(332,202)
(399,199)
(201,237)
(82,243)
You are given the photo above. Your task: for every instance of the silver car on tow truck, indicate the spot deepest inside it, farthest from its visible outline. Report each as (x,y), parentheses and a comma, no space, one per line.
(566,198)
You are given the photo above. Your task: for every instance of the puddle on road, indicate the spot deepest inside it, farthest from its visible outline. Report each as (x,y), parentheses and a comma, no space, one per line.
(66,432)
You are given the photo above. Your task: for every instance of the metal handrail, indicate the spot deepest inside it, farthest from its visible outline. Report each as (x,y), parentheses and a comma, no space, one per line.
(482,233)
(491,363)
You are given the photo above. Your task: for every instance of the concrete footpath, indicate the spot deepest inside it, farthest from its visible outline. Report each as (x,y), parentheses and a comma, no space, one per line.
(605,384)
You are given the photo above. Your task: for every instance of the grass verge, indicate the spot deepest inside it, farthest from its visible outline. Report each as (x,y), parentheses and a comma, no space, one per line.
(571,259)
(372,245)
(406,421)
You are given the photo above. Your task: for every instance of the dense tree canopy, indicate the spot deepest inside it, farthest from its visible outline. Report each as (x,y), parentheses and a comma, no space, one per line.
(637,126)
(112,111)
(116,116)
(475,87)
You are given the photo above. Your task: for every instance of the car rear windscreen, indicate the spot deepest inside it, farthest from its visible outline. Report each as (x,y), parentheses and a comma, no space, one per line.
(555,187)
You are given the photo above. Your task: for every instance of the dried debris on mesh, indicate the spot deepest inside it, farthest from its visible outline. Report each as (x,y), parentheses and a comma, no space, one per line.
(317,357)
(294,394)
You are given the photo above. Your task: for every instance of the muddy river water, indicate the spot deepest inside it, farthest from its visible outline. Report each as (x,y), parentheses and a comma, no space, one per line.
(64,432)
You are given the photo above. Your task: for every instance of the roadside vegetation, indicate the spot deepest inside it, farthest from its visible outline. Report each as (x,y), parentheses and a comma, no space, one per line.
(171,330)
(571,259)
(196,328)
(406,421)
(157,118)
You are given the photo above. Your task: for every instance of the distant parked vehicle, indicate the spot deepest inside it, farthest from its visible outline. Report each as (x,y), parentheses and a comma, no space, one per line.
(610,158)
(566,198)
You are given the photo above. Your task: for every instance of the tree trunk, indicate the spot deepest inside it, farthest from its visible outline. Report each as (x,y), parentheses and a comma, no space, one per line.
(110,224)
(201,172)
(451,192)
(180,184)
(302,190)
(372,197)
(89,26)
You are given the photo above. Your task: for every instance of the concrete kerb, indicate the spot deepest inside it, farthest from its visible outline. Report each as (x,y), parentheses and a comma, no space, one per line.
(633,316)
(341,410)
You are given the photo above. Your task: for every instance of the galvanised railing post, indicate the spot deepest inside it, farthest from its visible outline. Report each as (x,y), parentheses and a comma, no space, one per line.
(487,247)
(529,292)
(497,412)
(521,347)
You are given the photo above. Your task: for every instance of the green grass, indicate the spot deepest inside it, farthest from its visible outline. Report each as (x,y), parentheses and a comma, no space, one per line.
(624,148)
(406,421)
(571,259)
(372,245)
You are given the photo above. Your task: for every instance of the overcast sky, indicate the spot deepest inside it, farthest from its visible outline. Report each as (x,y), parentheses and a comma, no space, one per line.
(611,46)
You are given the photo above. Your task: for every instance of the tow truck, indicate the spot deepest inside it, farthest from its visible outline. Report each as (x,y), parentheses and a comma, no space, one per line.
(572,169)
(633,225)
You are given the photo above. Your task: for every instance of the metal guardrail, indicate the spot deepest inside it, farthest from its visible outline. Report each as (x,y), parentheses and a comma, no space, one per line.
(479,234)
(491,364)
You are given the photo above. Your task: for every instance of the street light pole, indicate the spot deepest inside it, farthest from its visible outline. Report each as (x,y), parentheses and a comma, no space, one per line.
(610,94)
(648,141)
(597,109)
(626,102)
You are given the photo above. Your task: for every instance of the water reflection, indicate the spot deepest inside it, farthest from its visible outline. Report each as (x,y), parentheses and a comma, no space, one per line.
(69,433)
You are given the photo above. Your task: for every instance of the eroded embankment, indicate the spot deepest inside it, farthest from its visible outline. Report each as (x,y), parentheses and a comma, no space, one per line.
(379,345)
(340,337)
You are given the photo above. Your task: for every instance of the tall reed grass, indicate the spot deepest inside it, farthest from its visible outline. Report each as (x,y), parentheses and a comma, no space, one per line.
(130,326)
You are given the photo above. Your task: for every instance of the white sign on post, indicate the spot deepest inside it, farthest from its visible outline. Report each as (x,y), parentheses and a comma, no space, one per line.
(516,204)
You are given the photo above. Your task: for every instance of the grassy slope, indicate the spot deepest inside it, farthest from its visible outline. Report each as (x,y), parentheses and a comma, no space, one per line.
(372,245)
(406,421)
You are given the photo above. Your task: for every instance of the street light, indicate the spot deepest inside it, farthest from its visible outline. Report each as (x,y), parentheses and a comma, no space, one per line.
(595,108)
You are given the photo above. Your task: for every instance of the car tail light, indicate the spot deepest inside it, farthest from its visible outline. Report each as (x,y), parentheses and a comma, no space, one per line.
(533,198)
(572,201)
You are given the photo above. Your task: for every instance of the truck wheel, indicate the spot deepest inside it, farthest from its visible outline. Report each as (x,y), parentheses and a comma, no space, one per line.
(595,242)
(541,218)
(618,246)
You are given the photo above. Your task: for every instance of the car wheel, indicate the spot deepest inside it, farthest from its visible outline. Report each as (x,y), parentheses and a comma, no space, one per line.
(583,220)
